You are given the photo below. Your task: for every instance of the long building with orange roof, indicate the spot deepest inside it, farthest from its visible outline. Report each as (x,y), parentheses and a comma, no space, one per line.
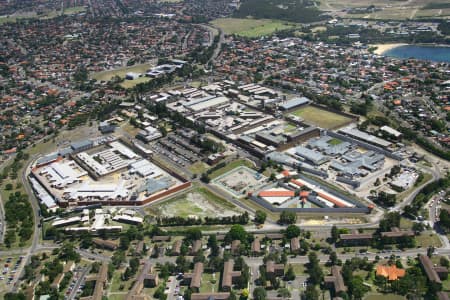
(277,193)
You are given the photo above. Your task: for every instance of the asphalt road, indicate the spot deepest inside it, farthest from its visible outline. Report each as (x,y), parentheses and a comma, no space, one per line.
(256,261)
(36,235)
(93,256)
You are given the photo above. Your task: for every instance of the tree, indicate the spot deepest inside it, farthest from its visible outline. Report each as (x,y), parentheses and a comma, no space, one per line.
(8,187)
(232,295)
(386,199)
(118,258)
(212,244)
(395,170)
(292,231)
(430,251)
(124,242)
(418,227)
(67,252)
(333,258)
(15,296)
(205,178)
(377,182)
(284,293)
(86,241)
(444,219)
(334,234)
(242,281)
(357,288)
(444,262)
(311,293)
(237,232)
(245,293)
(290,274)
(287,217)
(259,293)
(193,234)
(314,270)
(391,219)
(260,217)
(159,293)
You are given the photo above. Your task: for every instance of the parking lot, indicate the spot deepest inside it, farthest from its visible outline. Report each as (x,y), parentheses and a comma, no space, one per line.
(76,284)
(178,149)
(10,267)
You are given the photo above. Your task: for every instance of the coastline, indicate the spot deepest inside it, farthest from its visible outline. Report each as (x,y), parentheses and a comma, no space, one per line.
(383,48)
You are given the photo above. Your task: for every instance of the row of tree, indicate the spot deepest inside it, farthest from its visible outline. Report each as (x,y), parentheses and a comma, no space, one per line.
(180,221)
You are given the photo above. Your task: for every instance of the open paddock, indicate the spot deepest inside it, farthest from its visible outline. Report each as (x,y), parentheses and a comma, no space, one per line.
(251,27)
(74,10)
(394,10)
(198,202)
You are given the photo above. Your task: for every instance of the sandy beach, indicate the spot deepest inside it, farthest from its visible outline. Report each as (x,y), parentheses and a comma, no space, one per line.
(382,48)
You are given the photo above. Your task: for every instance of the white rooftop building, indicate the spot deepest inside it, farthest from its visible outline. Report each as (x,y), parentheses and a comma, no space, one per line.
(91,191)
(61,174)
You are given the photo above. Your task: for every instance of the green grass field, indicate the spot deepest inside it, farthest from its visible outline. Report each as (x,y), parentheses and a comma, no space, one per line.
(299,269)
(210,284)
(321,118)
(121,72)
(334,142)
(7,19)
(231,166)
(289,128)
(128,84)
(378,296)
(427,239)
(251,27)
(49,15)
(74,10)
(199,202)
(117,281)
(198,167)
(117,296)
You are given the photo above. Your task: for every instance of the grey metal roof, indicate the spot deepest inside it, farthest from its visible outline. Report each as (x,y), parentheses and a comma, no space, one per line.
(323,144)
(153,185)
(81,144)
(65,151)
(47,158)
(294,102)
(361,135)
(311,155)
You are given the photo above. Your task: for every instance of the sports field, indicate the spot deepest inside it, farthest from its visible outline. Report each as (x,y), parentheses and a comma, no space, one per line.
(121,72)
(321,118)
(250,27)
(128,84)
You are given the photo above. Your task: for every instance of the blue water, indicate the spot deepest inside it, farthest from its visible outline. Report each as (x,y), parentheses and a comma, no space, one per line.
(433,53)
